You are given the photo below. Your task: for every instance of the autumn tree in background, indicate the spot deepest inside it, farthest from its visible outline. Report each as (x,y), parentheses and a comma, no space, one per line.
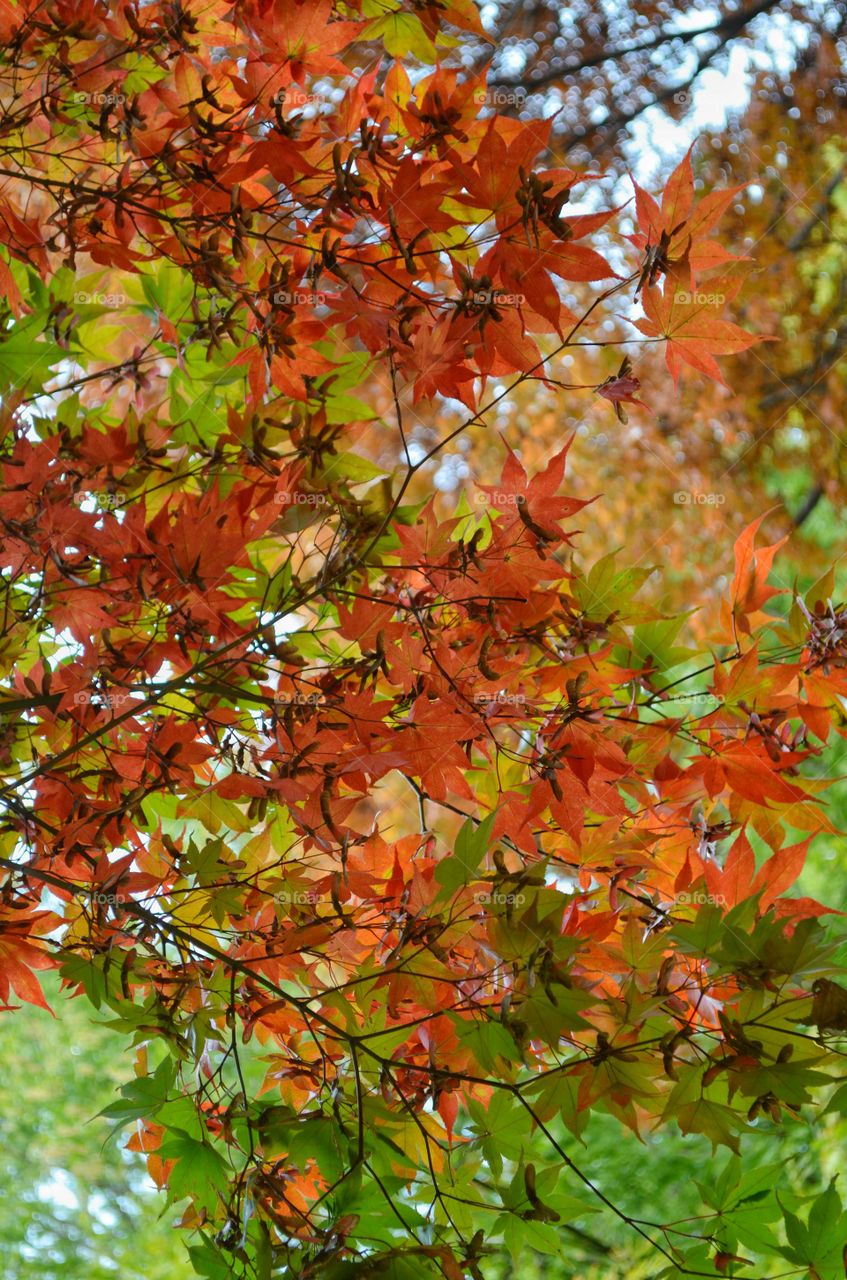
(604,71)
(770,440)
(396,836)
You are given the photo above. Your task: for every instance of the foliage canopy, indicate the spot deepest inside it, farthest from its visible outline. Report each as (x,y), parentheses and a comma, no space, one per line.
(396,838)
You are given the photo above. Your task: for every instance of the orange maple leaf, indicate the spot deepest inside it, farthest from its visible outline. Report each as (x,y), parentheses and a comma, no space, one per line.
(691,322)
(682,226)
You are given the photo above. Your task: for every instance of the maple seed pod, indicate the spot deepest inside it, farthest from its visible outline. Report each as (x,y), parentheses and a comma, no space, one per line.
(482,663)
(549,775)
(574,688)
(326,811)
(668,1046)
(523,511)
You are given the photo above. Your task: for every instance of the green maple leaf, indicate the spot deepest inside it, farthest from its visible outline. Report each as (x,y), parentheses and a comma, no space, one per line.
(199,1172)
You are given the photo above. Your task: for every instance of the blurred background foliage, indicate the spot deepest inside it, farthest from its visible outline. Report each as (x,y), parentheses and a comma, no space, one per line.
(73,1204)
